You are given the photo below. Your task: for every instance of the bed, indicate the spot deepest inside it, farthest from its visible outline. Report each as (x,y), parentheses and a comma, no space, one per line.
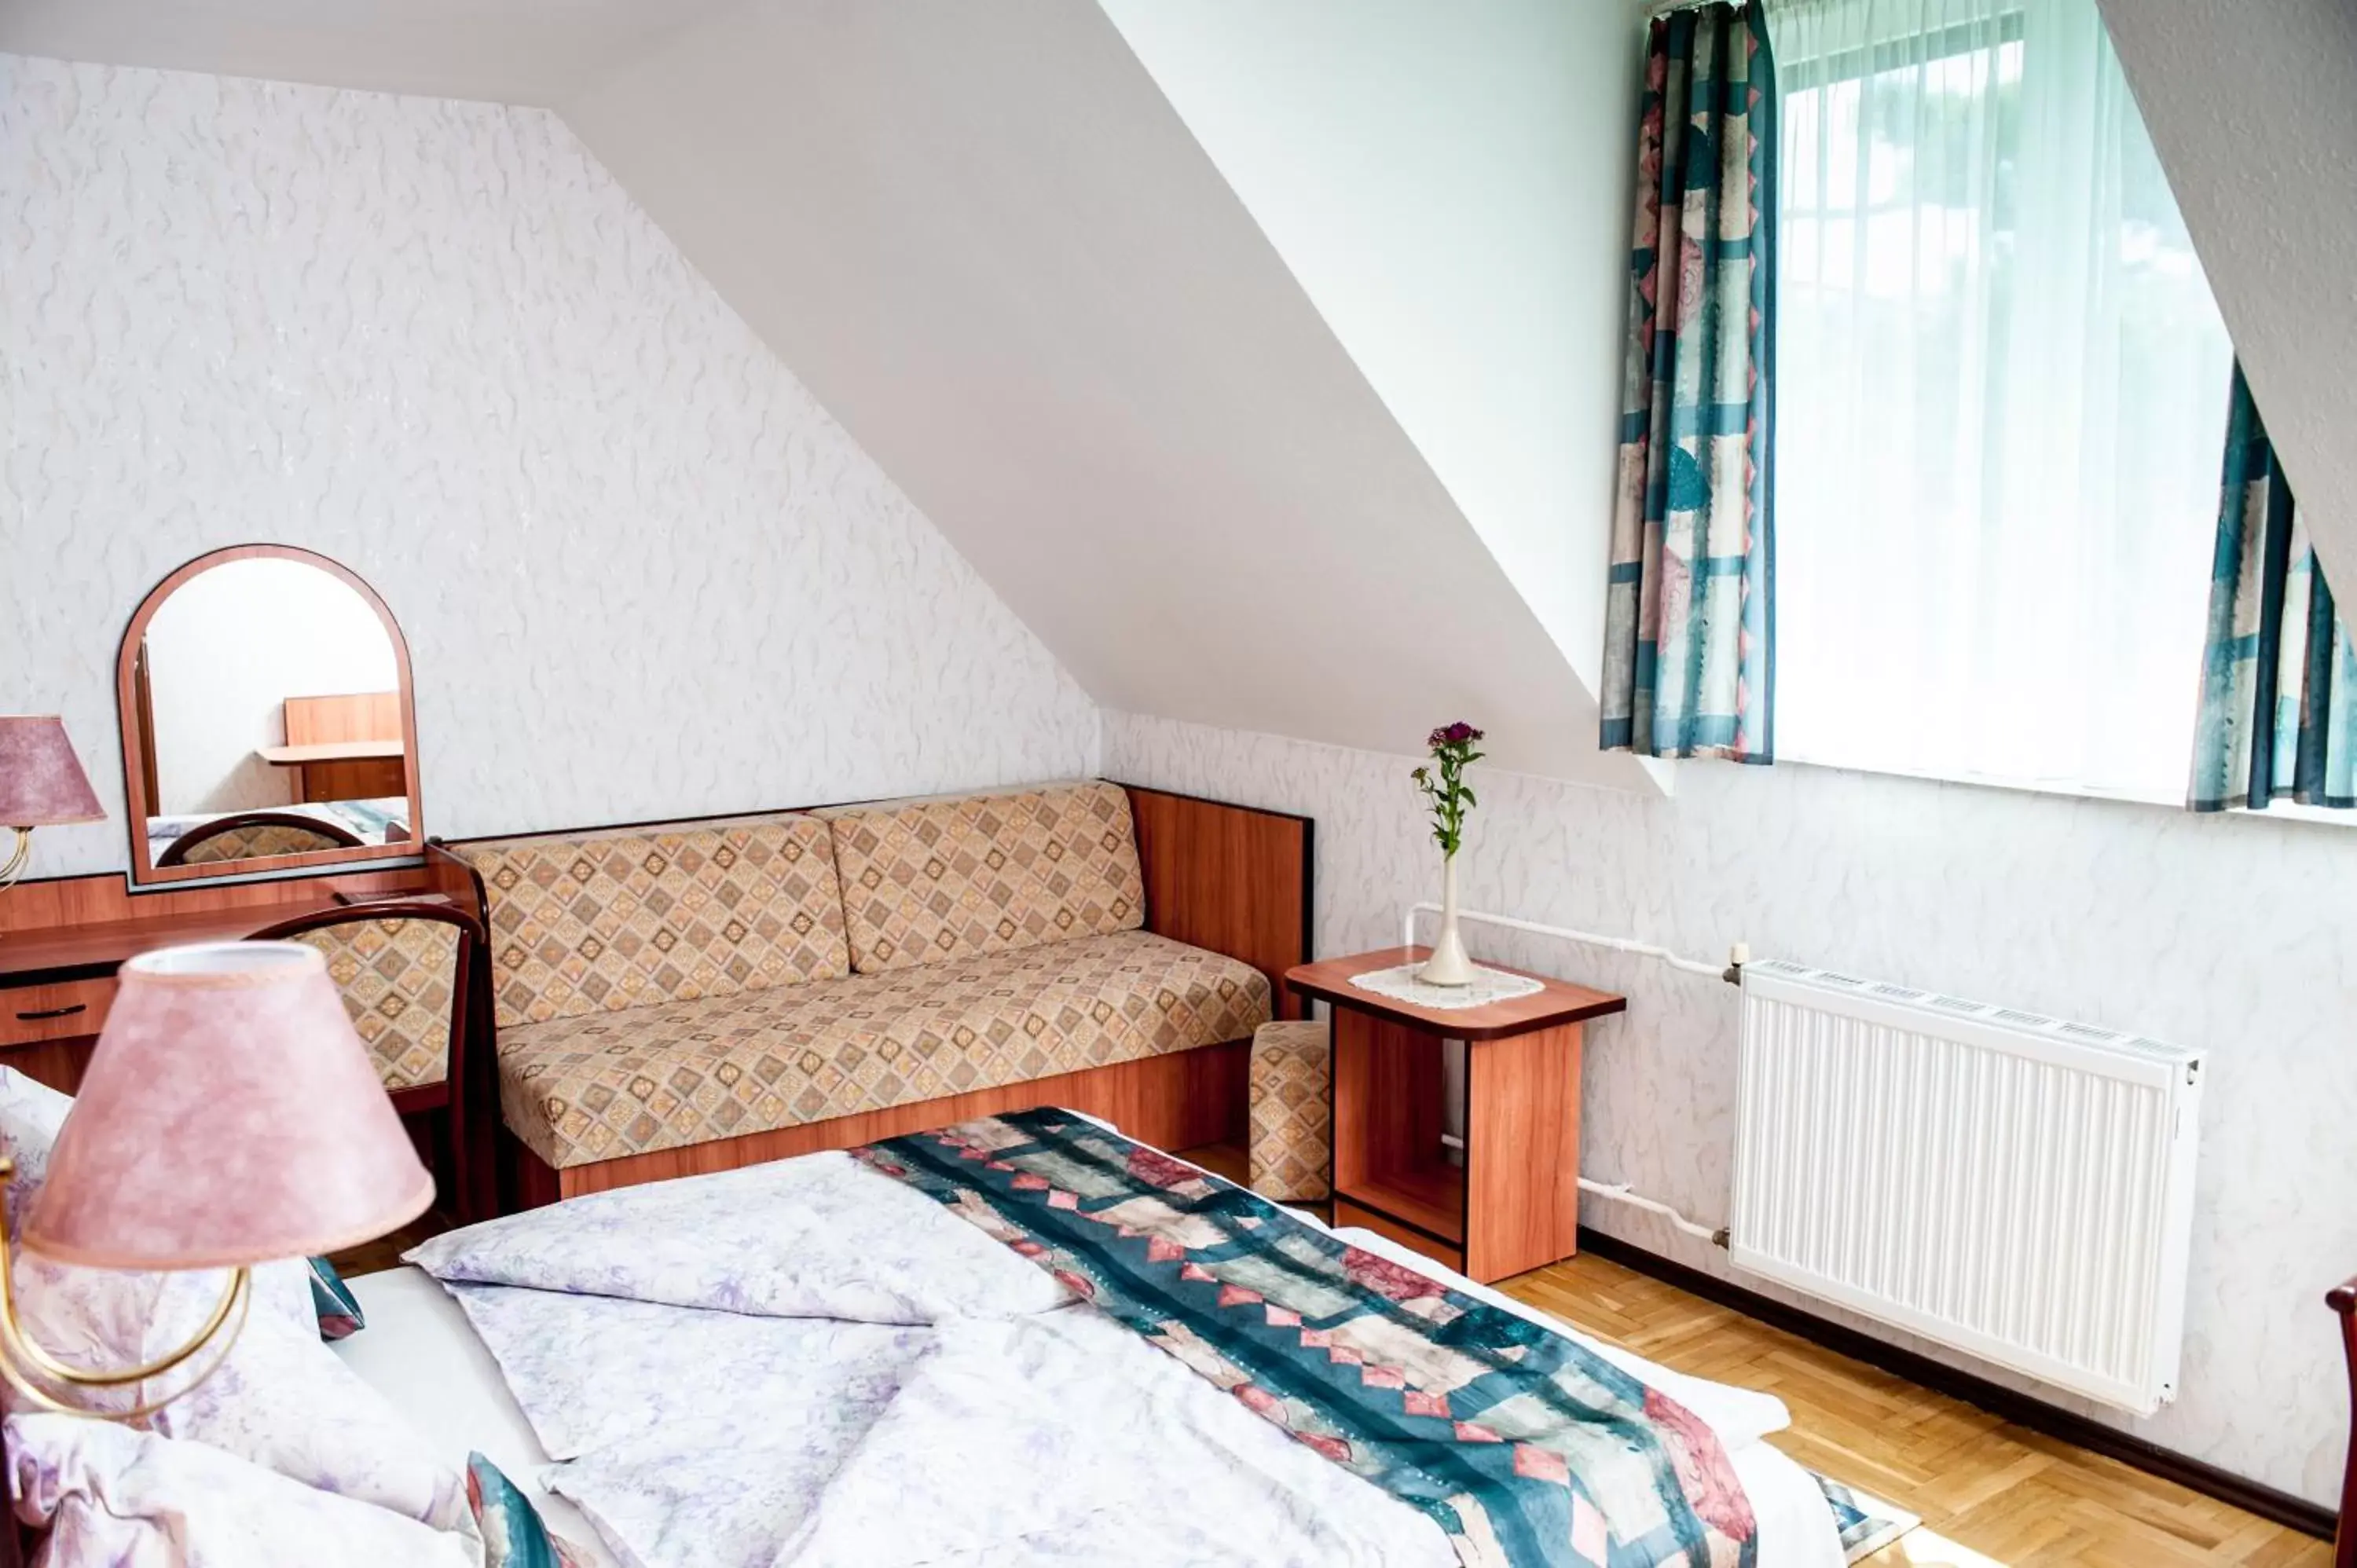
(985,1430)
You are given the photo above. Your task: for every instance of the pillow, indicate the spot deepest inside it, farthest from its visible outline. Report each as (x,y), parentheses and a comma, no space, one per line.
(285,1401)
(513,1535)
(338,1308)
(30,1114)
(128,1499)
(281,1399)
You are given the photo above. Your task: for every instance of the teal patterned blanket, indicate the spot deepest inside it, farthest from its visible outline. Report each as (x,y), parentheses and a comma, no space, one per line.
(1528,1449)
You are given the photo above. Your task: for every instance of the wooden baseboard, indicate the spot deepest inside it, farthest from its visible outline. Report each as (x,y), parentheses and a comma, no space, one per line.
(2022,1410)
(1174,1102)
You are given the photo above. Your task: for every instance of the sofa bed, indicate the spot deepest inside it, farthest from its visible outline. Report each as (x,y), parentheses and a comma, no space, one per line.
(686,997)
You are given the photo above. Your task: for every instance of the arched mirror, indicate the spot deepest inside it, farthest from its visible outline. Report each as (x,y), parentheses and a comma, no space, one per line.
(267,723)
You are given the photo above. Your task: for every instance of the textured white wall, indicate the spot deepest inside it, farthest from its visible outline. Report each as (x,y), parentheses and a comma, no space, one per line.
(640,571)
(2224,932)
(224,653)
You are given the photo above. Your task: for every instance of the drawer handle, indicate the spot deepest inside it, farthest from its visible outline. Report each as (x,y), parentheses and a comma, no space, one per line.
(38,1013)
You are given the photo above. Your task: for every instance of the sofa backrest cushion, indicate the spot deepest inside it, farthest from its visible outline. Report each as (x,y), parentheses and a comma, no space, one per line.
(590,925)
(925,880)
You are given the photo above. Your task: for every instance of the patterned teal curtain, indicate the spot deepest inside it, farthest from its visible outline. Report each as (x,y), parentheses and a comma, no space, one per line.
(2278,677)
(1689,650)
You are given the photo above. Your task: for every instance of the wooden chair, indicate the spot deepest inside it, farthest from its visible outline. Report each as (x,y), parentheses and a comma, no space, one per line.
(2342,1299)
(242,835)
(405,969)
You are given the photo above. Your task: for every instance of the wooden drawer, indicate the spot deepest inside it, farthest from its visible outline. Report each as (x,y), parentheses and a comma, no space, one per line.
(30,1014)
(1348,1214)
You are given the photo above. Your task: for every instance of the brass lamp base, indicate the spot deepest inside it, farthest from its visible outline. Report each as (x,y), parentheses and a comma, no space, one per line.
(27,1366)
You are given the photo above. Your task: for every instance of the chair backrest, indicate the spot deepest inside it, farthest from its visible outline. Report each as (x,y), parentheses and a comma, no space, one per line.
(243,835)
(403,969)
(632,919)
(924,880)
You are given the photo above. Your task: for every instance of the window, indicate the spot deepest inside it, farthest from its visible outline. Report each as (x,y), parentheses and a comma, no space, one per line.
(2001,403)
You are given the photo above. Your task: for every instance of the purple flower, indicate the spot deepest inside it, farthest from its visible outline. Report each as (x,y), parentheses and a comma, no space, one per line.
(1459,733)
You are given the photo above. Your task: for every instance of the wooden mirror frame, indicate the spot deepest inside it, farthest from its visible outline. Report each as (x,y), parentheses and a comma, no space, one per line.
(136,756)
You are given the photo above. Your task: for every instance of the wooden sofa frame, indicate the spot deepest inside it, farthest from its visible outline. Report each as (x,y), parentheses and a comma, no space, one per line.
(1235,880)
(2342,1299)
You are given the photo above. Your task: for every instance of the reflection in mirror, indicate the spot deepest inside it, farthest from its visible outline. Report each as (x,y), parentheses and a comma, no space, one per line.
(269,716)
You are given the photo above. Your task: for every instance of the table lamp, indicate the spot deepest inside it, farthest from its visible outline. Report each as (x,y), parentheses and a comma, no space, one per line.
(230,1116)
(41,784)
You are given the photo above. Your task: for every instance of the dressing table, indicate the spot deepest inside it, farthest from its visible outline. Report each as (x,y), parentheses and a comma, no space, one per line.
(62,938)
(269,774)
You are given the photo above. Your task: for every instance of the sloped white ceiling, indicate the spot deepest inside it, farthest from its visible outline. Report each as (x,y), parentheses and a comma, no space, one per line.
(2252,108)
(505,51)
(1452,187)
(983,237)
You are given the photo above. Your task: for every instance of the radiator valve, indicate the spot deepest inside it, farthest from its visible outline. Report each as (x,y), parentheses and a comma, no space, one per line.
(1736,957)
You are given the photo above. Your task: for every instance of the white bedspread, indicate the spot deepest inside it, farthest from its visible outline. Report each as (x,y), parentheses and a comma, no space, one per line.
(807,1364)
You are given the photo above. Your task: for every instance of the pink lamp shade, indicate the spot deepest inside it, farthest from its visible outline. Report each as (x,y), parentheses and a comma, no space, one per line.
(229,1115)
(41,783)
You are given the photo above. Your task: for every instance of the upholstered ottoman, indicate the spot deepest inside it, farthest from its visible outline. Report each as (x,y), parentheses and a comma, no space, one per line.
(1291,1111)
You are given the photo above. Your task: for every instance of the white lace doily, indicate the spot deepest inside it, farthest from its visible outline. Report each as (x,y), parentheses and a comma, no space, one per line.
(1488,986)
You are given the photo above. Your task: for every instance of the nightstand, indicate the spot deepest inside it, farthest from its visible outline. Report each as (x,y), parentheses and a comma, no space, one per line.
(1513,1203)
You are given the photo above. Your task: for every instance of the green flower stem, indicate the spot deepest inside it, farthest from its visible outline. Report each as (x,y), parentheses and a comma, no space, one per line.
(1448,793)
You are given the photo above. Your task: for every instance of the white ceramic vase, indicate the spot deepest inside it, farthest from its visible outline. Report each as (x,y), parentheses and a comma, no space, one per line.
(1448,965)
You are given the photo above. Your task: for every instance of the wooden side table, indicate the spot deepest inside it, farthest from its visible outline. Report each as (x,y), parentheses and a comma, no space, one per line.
(1514,1204)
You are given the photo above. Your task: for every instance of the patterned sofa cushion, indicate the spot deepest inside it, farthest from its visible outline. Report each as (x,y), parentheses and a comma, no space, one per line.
(1291,1097)
(926,880)
(602,1086)
(585,925)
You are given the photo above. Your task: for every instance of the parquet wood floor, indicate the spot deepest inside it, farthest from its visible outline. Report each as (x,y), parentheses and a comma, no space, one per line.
(1990,1493)
(384,1252)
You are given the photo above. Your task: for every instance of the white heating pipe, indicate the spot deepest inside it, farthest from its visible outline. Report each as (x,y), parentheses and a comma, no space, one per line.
(1619,1192)
(1738,956)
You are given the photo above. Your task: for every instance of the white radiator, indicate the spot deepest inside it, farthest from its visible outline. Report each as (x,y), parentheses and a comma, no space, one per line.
(2015,1187)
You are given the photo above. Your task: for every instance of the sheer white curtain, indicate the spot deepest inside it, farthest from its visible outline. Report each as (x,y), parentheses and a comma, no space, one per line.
(2001,387)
